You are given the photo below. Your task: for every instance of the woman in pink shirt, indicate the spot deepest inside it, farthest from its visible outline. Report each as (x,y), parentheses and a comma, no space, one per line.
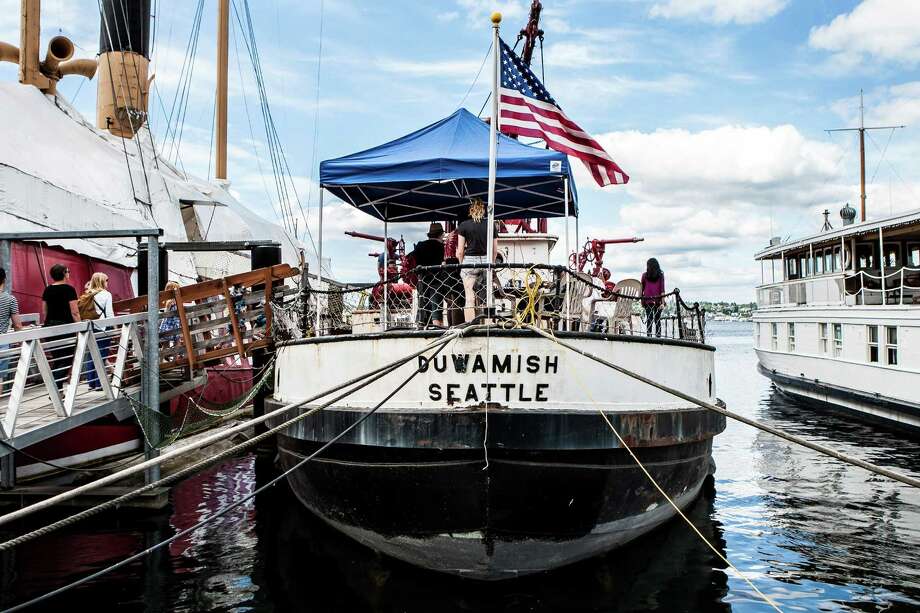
(652,291)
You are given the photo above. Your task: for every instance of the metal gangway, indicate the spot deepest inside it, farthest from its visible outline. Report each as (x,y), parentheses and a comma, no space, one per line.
(44,388)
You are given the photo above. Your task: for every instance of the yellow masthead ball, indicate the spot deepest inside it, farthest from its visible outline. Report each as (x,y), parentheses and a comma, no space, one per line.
(496,18)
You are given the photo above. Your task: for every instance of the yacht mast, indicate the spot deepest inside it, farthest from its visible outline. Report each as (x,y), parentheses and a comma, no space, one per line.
(862,152)
(220,131)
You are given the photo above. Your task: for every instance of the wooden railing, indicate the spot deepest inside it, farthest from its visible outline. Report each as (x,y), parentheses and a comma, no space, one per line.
(219,318)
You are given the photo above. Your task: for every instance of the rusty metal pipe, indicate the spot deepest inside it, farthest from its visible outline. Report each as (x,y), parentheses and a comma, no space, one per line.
(9,53)
(83,67)
(60,49)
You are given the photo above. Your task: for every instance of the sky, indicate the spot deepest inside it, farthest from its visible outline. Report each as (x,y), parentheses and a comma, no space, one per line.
(717,109)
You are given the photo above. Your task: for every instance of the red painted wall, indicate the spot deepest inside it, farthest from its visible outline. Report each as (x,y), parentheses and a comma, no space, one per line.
(30,265)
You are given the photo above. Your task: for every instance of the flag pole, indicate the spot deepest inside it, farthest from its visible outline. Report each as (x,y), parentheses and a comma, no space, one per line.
(568,297)
(493,152)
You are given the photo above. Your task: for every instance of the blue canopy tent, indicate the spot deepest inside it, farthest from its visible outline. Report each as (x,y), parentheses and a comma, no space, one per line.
(432,173)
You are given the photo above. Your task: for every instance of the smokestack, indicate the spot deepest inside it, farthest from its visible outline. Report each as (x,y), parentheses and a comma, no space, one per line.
(124,59)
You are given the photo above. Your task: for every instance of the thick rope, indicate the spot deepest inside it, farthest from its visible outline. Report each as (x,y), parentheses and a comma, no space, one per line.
(102,481)
(879,470)
(661,491)
(446,339)
(115,502)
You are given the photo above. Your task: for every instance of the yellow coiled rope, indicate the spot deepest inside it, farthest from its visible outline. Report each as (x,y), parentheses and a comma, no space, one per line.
(531,312)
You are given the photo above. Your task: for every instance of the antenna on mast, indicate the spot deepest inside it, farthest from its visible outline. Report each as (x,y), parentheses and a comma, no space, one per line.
(862,151)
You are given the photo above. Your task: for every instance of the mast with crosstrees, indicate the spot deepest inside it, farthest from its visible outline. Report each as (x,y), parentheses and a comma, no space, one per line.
(862,152)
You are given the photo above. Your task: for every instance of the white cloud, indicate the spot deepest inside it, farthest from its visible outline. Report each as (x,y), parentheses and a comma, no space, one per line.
(733,164)
(892,105)
(887,30)
(447,17)
(478,11)
(703,200)
(719,11)
(450,69)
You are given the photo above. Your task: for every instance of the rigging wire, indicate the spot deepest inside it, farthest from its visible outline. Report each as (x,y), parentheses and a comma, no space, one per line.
(140,152)
(284,178)
(220,513)
(884,151)
(476,79)
(252,135)
(280,185)
(282,156)
(894,170)
(319,72)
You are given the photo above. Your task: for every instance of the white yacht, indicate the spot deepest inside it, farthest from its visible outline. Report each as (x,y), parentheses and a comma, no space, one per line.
(838,317)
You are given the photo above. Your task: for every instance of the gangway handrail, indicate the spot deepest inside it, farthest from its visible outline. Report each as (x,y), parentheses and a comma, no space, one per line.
(42,332)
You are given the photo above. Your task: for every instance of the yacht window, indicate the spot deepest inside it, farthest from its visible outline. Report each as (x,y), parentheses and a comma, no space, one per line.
(892,255)
(791,331)
(838,264)
(774,335)
(891,344)
(838,340)
(873,344)
(829,260)
(792,269)
(913,255)
(822,336)
(865,256)
(806,266)
(818,266)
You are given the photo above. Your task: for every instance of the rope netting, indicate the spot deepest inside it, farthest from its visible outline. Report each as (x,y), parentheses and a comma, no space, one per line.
(435,297)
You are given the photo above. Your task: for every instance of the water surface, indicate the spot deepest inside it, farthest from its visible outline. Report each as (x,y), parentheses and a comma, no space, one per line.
(813,534)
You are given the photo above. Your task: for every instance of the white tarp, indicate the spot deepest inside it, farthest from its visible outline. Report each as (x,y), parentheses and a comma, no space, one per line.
(57,172)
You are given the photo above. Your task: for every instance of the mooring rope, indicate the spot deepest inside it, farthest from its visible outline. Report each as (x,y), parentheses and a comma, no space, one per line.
(202,464)
(137,468)
(444,340)
(879,470)
(664,494)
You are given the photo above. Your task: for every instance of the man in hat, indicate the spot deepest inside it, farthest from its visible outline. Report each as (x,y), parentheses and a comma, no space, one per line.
(430,291)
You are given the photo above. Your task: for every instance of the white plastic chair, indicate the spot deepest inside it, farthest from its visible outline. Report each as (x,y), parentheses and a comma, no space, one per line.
(622,316)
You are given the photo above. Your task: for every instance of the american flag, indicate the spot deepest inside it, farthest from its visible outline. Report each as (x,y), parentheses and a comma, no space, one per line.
(527,109)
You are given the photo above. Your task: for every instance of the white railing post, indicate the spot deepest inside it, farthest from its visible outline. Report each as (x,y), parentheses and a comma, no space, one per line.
(19,387)
(76,369)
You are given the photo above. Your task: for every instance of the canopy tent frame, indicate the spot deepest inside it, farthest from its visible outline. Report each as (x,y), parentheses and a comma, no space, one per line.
(434,173)
(459,202)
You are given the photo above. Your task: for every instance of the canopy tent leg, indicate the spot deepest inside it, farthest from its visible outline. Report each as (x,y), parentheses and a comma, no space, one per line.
(386,275)
(319,265)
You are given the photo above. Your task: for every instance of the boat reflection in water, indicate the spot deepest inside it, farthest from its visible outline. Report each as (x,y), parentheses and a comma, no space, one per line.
(311,566)
(843,524)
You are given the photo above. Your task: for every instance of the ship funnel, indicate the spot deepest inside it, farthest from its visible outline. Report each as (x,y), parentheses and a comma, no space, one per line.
(60,49)
(124,60)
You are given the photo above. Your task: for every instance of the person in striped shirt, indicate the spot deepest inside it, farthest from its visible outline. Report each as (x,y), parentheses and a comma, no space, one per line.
(9,316)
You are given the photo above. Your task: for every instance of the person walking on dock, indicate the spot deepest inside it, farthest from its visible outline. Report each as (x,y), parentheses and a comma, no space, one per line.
(653,295)
(96,303)
(59,307)
(9,317)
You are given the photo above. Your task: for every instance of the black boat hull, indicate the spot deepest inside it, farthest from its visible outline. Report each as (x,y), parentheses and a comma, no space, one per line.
(502,512)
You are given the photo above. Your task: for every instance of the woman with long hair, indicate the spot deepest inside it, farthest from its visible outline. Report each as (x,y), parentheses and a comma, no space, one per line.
(101,304)
(653,295)
(472,248)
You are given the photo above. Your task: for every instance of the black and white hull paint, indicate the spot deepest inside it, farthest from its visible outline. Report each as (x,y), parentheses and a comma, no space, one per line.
(530,480)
